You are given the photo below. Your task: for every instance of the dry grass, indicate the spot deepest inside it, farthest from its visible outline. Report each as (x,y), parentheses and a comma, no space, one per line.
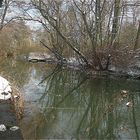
(18,101)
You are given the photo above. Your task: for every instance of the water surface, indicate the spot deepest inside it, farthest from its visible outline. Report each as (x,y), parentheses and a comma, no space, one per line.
(65,104)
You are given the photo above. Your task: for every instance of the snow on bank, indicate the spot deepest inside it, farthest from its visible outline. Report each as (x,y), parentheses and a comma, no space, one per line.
(3,128)
(5,89)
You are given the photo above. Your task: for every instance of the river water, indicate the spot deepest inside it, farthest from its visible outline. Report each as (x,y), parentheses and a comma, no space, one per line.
(65,104)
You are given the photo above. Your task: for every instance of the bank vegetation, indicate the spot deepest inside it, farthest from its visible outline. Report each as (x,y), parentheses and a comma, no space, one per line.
(95,32)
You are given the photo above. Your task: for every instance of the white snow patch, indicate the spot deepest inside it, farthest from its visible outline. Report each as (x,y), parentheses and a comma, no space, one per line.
(5,89)
(2,127)
(14,128)
(73,61)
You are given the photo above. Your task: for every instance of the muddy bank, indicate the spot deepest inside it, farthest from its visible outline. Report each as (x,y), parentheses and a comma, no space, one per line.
(9,111)
(9,119)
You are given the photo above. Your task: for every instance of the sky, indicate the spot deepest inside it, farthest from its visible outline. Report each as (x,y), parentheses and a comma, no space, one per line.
(15,11)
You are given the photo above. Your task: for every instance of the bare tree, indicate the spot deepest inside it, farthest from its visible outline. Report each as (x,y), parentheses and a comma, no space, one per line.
(81,27)
(48,12)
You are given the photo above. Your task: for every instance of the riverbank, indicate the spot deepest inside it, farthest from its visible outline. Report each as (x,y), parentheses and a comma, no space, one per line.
(130,70)
(9,120)
(11,108)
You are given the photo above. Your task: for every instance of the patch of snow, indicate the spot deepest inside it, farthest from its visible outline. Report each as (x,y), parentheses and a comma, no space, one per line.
(38,56)
(14,128)
(2,127)
(124,91)
(16,97)
(112,68)
(73,61)
(5,89)
(129,104)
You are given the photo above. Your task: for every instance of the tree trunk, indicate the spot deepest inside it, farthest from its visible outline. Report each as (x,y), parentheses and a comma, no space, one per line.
(98,33)
(137,37)
(115,21)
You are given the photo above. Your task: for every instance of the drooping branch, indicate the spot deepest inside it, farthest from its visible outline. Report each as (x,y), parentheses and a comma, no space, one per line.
(58,56)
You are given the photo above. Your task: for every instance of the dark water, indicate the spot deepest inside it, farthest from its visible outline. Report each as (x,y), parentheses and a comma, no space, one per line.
(64,104)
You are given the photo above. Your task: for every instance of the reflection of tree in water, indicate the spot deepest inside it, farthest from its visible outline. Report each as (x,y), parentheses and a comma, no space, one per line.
(17,71)
(134,118)
(92,105)
(20,72)
(76,107)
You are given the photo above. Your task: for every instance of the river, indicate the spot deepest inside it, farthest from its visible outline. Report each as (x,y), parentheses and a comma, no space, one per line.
(65,104)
